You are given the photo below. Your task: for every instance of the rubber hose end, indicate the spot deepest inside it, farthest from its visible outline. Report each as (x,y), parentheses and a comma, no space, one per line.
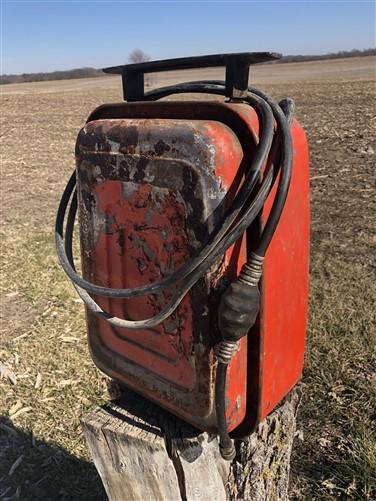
(228,452)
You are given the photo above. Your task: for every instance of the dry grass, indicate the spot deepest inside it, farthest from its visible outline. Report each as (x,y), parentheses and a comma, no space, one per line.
(42,452)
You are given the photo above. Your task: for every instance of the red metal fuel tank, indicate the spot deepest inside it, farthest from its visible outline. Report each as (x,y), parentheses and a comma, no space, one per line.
(153,181)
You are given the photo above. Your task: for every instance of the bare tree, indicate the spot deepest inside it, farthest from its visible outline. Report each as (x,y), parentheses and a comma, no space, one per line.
(138,56)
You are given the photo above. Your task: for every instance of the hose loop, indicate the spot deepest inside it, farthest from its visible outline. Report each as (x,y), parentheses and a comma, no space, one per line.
(234,222)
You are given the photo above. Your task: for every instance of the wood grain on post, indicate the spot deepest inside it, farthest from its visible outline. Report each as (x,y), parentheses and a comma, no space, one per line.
(143,453)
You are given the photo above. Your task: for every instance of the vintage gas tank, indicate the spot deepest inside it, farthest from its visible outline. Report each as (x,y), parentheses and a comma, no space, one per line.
(153,181)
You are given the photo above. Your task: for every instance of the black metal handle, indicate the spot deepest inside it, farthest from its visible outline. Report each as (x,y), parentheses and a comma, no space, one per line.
(237,71)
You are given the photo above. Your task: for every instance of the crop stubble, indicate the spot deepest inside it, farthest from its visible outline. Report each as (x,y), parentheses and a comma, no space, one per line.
(42,330)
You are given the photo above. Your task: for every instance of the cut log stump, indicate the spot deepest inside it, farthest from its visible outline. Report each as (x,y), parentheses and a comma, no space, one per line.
(143,453)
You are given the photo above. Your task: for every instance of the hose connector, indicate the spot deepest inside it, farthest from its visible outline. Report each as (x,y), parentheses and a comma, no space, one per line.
(239,304)
(251,271)
(228,452)
(225,350)
(238,312)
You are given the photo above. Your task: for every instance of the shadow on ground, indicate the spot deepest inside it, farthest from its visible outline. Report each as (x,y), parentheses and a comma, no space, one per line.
(32,469)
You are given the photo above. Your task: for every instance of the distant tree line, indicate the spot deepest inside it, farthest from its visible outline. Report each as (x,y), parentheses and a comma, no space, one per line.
(331,55)
(54,75)
(137,55)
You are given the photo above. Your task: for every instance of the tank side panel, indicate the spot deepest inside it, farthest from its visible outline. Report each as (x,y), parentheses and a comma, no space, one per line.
(285,286)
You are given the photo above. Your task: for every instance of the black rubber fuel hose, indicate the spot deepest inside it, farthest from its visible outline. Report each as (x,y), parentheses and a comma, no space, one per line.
(262,150)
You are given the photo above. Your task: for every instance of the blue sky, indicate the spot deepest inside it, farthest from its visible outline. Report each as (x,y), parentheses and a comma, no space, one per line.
(54,35)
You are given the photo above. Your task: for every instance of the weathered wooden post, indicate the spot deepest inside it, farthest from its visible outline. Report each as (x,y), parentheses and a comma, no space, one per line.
(143,453)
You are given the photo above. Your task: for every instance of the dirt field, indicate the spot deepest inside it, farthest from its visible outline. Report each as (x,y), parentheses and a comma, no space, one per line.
(49,380)
(334,69)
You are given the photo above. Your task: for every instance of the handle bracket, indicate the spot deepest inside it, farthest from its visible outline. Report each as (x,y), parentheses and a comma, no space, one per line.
(237,71)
